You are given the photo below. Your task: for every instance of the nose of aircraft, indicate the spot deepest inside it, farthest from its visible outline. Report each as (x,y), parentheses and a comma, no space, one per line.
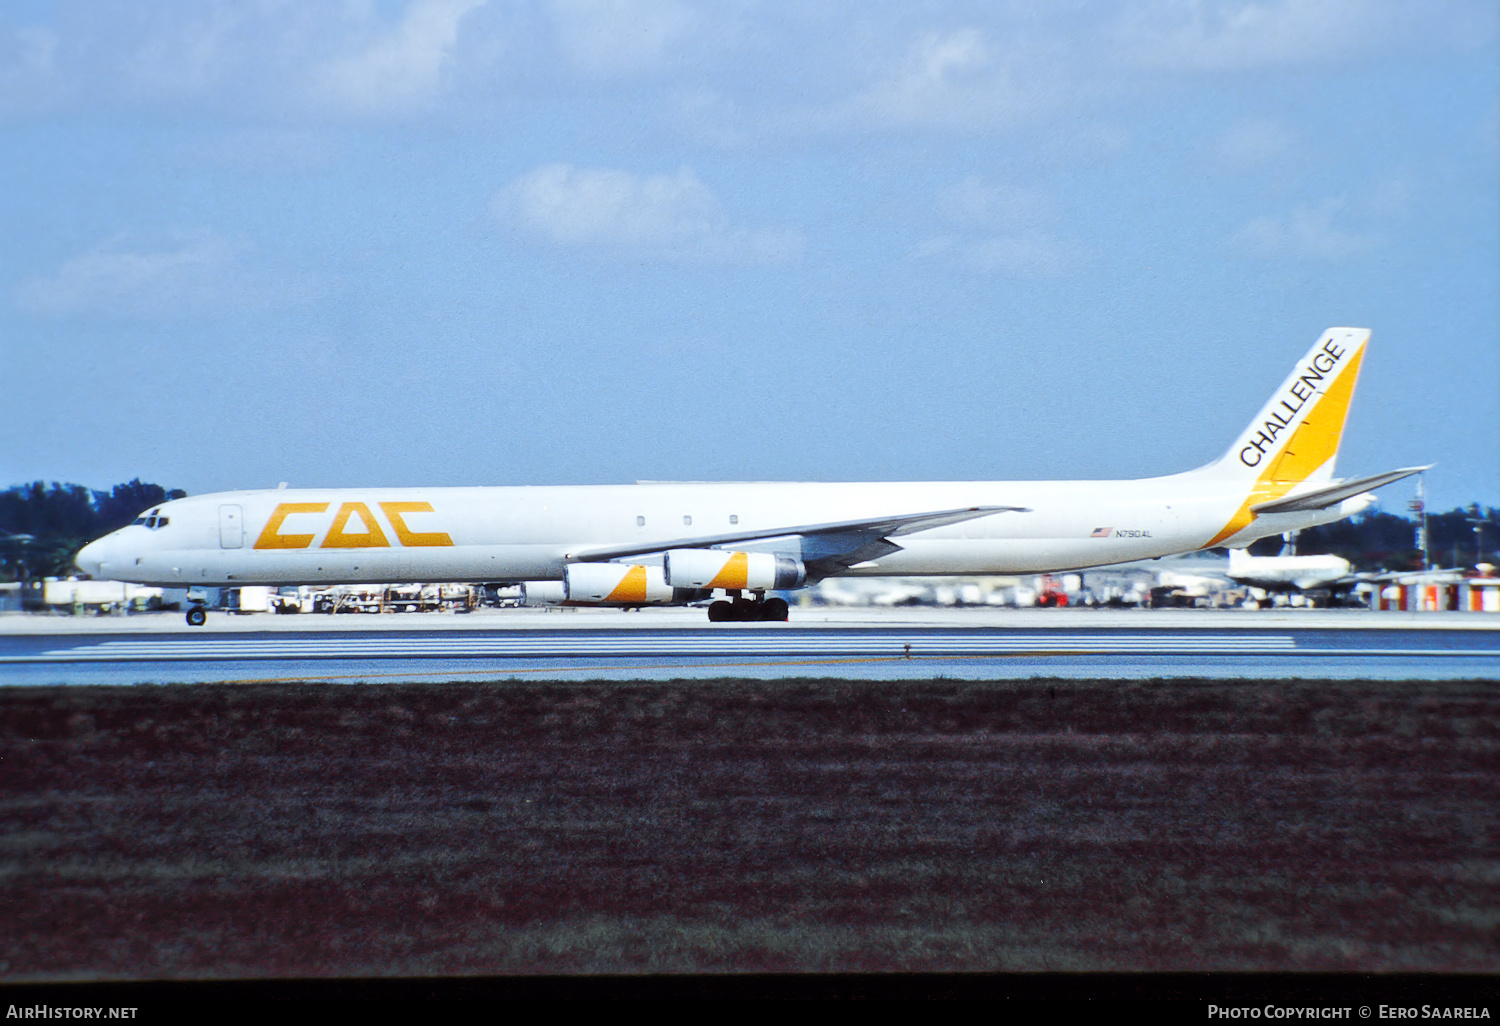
(93,559)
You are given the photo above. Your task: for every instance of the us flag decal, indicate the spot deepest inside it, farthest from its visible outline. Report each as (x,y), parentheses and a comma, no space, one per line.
(1101,532)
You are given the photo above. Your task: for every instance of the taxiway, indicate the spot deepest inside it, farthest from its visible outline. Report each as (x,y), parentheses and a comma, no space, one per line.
(666,644)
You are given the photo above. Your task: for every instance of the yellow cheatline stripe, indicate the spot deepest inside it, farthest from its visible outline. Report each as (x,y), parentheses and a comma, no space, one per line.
(735,574)
(632,587)
(1314,443)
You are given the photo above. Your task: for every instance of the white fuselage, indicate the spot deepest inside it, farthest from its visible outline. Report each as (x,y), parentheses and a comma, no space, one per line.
(532,533)
(1277,573)
(1275,477)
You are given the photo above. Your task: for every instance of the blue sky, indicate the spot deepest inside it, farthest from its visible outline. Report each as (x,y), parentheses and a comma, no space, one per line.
(457,242)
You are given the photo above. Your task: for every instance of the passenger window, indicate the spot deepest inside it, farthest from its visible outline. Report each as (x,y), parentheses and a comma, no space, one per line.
(687,521)
(640,521)
(734,518)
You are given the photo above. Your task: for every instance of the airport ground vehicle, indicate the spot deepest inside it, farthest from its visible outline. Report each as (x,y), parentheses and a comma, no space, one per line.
(1052,595)
(673,543)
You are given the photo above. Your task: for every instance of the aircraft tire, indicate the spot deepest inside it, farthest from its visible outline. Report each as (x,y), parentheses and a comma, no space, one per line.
(197,616)
(775,609)
(719,612)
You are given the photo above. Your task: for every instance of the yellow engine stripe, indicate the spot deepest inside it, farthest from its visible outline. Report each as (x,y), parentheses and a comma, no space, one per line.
(736,572)
(632,587)
(1313,444)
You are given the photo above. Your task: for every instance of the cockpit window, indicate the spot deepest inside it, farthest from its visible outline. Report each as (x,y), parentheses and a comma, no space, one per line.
(137,520)
(150,521)
(161,521)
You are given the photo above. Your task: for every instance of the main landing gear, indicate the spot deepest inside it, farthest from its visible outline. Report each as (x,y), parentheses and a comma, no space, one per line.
(197,616)
(743,609)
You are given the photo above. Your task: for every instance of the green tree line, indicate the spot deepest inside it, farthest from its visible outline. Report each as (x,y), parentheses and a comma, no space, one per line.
(1384,541)
(55,521)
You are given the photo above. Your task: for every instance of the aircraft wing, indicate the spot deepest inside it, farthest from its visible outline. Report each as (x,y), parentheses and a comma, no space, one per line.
(840,544)
(1330,495)
(1437,575)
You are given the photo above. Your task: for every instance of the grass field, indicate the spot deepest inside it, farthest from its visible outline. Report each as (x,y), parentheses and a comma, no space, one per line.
(306,830)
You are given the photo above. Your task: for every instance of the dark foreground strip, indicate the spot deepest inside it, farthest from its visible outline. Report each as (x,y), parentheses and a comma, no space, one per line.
(1184,996)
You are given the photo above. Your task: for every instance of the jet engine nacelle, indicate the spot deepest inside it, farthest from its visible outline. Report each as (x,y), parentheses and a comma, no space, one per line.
(543,593)
(737,571)
(616,584)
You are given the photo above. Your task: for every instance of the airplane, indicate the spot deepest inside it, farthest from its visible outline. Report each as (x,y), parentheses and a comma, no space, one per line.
(1289,572)
(680,543)
(1286,573)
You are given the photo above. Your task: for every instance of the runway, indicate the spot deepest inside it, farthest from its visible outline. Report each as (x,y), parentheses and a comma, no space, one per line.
(658,649)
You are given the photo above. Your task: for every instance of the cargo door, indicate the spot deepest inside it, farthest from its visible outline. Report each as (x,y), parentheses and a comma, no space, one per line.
(231,527)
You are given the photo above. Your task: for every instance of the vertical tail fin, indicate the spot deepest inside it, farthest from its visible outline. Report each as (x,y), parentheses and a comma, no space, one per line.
(1295,437)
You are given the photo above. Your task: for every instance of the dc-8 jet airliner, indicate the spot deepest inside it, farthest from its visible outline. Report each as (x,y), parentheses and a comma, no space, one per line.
(677,543)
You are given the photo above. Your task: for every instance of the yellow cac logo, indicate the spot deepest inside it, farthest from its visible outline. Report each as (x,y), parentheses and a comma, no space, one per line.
(353,527)
(341,538)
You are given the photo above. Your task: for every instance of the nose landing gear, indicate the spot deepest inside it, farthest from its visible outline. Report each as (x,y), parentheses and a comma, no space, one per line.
(743,610)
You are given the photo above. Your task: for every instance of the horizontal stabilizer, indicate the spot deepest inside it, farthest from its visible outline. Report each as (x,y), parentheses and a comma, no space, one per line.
(1332,495)
(879,527)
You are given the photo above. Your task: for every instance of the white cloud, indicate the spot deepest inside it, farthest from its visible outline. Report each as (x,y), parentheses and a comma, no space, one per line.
(738,72)
(611,37)
(676,217)
(999,229)
(1253,143)
(403,68)
(185,53)
(954,80)
(192,275)
(1214,35)
(1308,232)
(251,56)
